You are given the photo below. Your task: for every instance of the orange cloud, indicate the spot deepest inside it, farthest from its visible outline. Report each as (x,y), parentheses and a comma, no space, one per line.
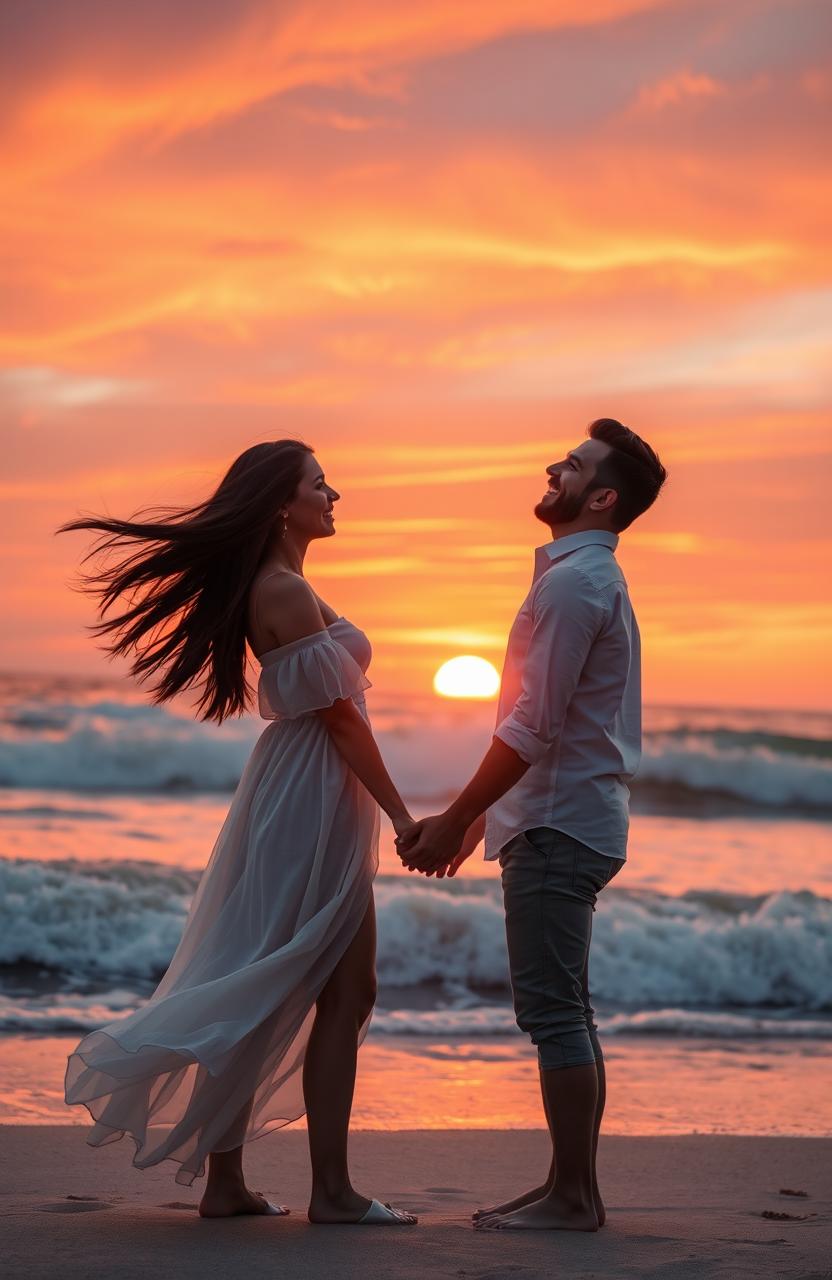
(434,241)
(98,88)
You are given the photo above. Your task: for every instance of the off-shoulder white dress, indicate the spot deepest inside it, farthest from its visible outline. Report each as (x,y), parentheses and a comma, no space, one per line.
(214,1058)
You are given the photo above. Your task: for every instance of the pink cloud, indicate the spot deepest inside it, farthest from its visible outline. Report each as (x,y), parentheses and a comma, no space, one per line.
(675,89)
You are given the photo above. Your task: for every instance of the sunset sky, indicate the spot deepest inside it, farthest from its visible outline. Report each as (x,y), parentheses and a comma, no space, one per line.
(434,241)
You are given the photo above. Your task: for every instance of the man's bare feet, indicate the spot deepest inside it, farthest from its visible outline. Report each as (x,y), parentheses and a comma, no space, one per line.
(550,1213)
(519,1202)
(531,1197)
(232,1201)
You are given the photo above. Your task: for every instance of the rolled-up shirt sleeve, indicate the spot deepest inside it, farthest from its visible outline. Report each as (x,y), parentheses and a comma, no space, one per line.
(568,613)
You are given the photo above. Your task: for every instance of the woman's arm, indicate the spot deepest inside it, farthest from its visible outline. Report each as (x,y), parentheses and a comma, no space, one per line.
(290,611)
(354,739)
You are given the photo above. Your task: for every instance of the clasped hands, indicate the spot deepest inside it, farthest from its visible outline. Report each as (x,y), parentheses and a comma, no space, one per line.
(438,845)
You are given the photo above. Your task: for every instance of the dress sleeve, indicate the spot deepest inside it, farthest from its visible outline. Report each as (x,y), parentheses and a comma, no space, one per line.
(308,675)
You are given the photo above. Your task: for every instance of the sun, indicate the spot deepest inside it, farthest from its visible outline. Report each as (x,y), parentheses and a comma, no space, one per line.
(466,677)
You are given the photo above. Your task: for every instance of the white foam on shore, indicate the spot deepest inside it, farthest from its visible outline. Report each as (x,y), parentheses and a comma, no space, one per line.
(75,1013)
(119,923)
(107,745)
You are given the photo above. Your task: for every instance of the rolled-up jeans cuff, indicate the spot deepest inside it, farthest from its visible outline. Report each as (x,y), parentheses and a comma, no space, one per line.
(571,1049)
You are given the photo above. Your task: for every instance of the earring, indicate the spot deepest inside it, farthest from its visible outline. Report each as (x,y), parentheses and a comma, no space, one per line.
(285,523)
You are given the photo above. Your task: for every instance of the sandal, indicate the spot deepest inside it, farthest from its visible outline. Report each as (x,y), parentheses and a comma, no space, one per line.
(379,1215)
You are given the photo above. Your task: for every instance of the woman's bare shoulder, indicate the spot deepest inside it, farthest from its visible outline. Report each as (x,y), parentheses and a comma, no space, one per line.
(287,607)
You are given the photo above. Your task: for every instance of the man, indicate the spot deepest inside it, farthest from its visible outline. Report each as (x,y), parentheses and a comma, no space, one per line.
(554,785)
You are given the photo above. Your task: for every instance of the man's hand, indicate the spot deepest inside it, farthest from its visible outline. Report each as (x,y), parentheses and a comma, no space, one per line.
(436,842)
(473,836)
(431,845)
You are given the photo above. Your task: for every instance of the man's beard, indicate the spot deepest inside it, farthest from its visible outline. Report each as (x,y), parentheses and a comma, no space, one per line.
(566,507)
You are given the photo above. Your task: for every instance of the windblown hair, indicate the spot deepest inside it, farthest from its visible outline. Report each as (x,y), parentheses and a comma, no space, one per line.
(632,468)
(186,574)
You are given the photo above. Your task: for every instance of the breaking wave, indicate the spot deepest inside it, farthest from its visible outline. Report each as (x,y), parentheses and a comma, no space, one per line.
(107,745)
(660,963)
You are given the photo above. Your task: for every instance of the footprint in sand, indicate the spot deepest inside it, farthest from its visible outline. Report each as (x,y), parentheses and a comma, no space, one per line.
(776,1216)
(179,1204)
(75,1204)
(492,1274)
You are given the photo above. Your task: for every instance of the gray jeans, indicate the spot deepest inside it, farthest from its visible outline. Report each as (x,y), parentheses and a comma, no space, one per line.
(550,884)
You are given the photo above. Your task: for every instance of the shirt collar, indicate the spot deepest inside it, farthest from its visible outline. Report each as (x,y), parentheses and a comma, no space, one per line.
(556,550)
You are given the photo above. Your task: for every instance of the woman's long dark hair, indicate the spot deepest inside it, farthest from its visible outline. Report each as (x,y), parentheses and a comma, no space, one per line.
(187,574)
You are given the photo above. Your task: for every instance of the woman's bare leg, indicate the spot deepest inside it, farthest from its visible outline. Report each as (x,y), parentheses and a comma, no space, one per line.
(329,1076)
(226,1194)
(344,1006)
(329,1083)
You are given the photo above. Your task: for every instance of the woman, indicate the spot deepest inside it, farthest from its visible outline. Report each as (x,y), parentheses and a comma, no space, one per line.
(271,989)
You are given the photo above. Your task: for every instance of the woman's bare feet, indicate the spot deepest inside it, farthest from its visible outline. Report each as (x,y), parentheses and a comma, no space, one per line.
(550,1213)
(232,1201)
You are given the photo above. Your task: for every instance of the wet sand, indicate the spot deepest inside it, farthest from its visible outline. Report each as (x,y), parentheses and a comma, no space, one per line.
(658,1085)
(686,1206)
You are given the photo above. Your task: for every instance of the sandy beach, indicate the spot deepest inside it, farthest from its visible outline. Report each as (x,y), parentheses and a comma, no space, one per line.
(682,1206)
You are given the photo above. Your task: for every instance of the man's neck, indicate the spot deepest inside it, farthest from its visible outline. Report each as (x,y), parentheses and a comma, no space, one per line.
(577,526)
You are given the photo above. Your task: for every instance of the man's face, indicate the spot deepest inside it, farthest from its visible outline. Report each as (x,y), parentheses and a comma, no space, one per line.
(571,484)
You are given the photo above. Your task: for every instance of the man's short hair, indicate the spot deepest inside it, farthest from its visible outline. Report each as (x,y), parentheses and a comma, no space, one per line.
(632,468)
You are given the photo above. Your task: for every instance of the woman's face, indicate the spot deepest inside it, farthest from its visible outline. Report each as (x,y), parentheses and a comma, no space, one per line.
(310,513)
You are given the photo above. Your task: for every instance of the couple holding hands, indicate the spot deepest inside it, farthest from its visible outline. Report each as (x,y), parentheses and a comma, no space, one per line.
(270,992)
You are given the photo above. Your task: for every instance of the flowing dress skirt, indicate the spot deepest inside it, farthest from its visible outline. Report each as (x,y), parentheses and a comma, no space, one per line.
(215,1057)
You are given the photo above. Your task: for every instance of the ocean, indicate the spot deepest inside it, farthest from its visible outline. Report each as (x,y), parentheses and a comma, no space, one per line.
(712,950)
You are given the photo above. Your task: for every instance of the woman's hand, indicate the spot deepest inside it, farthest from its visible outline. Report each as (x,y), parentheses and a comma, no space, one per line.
(402,824)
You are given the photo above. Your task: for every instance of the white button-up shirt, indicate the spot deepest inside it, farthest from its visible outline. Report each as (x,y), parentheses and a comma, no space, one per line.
(570,699)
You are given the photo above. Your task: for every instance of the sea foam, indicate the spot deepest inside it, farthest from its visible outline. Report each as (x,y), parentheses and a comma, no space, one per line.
(107,746)
(116,923)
